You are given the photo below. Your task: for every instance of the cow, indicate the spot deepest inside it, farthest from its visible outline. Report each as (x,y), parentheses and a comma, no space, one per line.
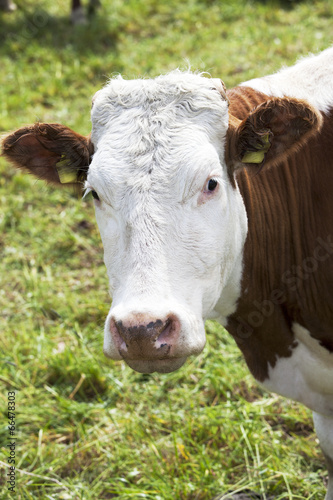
(211,203)
(78,15)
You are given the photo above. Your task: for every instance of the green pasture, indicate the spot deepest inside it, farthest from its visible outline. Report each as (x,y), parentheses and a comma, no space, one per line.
(89,428)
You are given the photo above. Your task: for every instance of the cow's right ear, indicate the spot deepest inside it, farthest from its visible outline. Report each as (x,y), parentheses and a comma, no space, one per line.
(49,151)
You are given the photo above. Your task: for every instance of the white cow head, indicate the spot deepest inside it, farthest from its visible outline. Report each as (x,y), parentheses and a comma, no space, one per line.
(161,158)
(172,224)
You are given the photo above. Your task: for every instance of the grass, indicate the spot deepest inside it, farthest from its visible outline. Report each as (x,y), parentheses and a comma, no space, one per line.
(89,428)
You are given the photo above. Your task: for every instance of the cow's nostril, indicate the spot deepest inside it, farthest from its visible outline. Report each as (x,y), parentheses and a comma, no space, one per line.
(164,336)
(154,329)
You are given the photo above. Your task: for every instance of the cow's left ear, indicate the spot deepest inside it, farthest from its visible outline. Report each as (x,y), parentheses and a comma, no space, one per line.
(270,133)
(49,151)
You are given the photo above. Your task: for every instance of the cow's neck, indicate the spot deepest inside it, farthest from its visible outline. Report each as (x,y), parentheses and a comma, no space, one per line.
(288,251)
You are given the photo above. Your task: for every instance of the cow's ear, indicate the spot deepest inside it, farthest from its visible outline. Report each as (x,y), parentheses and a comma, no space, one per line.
(270,133)
(49,151)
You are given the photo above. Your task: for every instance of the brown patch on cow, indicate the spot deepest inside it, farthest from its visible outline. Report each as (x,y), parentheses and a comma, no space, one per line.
(288,254)
(40,147)
(243,100)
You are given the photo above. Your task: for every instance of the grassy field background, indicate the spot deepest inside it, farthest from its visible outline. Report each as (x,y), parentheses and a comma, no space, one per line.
(89,428)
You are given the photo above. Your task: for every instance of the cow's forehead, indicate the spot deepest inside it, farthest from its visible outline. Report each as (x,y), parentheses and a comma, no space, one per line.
(166,100)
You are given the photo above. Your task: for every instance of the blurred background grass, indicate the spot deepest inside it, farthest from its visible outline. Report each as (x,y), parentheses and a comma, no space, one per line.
(89,428)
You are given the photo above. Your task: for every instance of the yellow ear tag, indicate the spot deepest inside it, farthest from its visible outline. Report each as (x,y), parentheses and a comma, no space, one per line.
(259,155)
(66,176)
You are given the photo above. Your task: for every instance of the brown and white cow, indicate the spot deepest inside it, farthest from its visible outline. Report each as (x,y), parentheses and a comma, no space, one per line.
(212,203)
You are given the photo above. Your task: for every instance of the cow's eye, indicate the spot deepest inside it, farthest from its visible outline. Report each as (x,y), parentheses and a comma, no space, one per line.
(89,190)
(211,185)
